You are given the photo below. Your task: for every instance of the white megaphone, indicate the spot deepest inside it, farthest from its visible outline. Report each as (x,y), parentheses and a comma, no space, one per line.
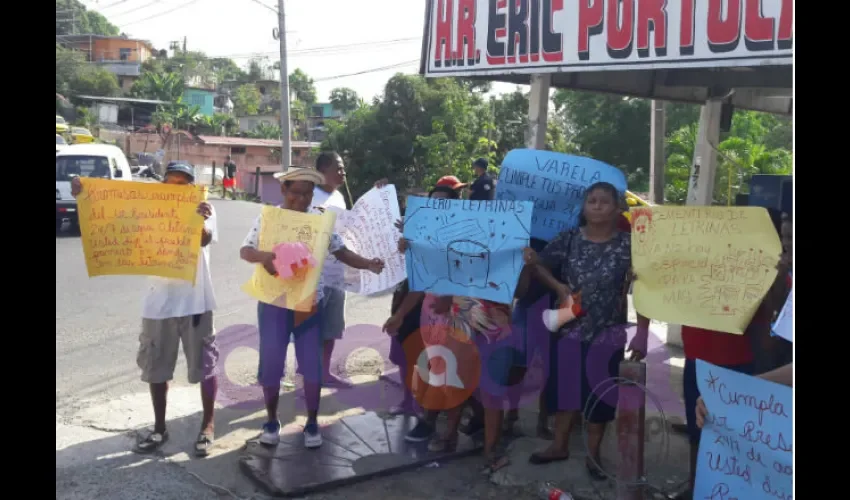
(554,319)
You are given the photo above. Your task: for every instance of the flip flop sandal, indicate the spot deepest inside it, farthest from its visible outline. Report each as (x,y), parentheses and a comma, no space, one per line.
(496,461)
(203,445)
(594,472)
(541,458)
(151,442)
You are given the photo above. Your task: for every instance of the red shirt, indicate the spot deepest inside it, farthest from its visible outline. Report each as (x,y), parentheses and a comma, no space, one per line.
(623,224)
(718,348)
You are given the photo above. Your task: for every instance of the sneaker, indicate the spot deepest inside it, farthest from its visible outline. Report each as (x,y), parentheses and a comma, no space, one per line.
(271,434)
(312,436)
(422,432)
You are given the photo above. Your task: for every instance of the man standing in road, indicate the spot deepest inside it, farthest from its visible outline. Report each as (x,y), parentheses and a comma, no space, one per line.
(483,188)
(176,311)
(325,196)
(229,180)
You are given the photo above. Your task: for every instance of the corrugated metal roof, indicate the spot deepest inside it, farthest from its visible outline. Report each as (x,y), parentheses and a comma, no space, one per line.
(215,140)
(122,99)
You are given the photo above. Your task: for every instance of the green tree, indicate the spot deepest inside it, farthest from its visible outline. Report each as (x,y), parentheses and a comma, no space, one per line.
(72,17)
(265,131)
(302,87)
(344,100)
(246,100)
(163,86)
(418,131)
(743,152)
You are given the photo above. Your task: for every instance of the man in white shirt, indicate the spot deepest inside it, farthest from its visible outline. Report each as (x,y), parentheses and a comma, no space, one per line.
(327,196)
(174,311)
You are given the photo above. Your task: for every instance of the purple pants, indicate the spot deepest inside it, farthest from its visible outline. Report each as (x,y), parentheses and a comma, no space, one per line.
(275,326)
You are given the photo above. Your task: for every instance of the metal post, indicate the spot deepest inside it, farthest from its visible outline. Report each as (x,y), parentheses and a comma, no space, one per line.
(657,155)
(285,124)
(257,182)
(212,182)
(631,429)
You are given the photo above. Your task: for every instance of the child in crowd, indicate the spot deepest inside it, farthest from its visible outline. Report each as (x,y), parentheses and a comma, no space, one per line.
(442,318)
(276,324)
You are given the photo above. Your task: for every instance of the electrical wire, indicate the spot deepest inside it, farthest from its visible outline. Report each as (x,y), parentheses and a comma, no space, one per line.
(134,9)
(186,4)
(365,71)
(258,2)
(316,50)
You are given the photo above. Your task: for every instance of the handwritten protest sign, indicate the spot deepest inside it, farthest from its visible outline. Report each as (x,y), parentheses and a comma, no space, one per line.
(555,184)
(784,326)
(707,267)
(286,226)
(368,229)
(140,228)
(466,248)
(745,451)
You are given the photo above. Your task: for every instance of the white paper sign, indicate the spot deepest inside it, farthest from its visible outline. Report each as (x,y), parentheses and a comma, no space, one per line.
(368,229)
(784,326)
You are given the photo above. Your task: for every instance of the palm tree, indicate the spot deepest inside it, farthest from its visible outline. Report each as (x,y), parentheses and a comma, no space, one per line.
(265,131)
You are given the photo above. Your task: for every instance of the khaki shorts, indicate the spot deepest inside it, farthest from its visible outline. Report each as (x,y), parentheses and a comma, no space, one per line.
(159,342)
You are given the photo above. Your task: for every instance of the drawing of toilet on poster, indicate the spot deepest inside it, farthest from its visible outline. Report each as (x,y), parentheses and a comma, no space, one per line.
(466,248)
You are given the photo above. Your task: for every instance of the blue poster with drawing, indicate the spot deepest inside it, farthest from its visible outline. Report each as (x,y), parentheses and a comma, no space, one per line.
(555,183)
(466,248)
(746,445)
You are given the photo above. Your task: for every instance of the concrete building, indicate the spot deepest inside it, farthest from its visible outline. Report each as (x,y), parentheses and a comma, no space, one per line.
(203,98)
(120,55)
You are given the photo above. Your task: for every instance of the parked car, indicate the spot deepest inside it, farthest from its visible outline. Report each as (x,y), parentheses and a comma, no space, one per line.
(80,135)
(60,143)
(61,125)
(85,160)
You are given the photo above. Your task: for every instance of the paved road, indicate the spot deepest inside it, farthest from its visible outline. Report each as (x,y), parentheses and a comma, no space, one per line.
(100,400)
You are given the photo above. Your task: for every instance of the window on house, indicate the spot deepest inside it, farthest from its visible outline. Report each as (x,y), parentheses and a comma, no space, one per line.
(237,150)
(318,111)
(197,99)
(124,54)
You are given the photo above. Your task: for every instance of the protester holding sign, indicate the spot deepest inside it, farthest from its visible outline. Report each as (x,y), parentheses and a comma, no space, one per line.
(593,260)
(175,311)
(443,319)
(276,324)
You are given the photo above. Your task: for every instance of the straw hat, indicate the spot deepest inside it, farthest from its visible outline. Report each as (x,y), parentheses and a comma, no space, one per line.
(300,174)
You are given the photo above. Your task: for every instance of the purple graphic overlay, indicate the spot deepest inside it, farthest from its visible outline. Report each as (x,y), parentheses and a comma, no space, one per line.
(530,345)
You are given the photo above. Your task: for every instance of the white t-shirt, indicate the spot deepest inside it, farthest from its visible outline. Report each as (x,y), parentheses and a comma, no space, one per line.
(336,244)
(173,298)
(334,271)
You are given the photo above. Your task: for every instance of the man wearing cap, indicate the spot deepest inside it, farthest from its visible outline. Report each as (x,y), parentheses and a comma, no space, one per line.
(277,324)
(451,182)
(176,311)
(483,187)
(327,196)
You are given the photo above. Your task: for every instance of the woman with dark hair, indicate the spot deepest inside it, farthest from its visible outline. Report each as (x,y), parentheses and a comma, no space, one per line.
(592,262)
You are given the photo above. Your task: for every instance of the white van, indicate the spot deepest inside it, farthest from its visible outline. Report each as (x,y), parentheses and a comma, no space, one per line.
(85,160)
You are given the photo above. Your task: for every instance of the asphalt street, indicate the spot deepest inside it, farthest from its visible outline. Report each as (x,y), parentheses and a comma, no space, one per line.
(100,400)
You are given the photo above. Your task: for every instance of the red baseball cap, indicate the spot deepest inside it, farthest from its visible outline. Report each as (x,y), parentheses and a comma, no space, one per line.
(451,182)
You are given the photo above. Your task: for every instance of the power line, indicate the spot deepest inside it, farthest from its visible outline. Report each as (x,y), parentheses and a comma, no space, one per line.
(258,2)
(314,50)
(190,2)
(365,71)
(111,4)
(135,9)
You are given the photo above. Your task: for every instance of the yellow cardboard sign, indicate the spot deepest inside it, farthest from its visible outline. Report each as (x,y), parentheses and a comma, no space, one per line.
(286,226)
(140,228)
(706,267)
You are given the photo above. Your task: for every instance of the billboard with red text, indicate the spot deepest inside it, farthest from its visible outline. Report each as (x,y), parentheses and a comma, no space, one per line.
(493,37)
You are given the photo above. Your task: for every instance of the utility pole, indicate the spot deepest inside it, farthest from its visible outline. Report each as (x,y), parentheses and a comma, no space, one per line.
(657,155)
(285,124)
